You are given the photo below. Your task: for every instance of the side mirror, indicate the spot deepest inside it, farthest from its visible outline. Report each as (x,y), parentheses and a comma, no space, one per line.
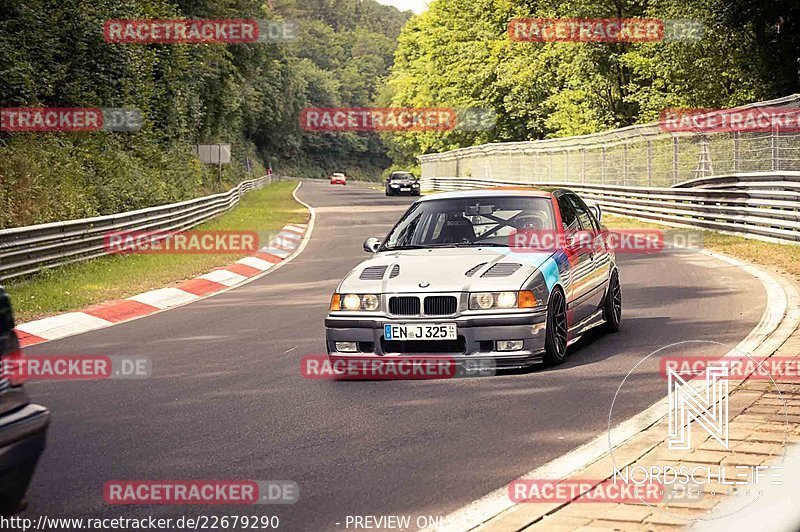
(596,210)
(371,245)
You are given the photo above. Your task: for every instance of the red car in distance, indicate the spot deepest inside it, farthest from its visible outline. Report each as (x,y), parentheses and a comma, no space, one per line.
(338,178)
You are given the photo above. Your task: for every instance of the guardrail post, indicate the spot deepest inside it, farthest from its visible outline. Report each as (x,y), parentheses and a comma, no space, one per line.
(603,167)
(704,166)
(625,164)
(649,163)
(583,165)
(674,160)
(773,145)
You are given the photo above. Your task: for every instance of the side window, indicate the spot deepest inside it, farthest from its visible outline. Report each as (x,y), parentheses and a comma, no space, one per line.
(569,214)
(585,215)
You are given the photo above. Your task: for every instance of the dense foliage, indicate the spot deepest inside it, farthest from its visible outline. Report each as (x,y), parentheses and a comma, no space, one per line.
(54,55)
(347,53)
(458,53)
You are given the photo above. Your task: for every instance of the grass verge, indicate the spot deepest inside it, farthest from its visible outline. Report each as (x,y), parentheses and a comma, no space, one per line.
(784,257)
(79,285)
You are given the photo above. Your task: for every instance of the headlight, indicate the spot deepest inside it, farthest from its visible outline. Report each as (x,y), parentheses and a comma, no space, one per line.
(481,301)
(502,300)
(370,302)
(354,302)
(351,302)
(416,184)
(506,299)
(394,185)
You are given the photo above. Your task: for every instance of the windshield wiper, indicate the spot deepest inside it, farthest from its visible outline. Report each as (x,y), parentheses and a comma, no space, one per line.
(409,246)
(481,244)
(419,246)
(448,245)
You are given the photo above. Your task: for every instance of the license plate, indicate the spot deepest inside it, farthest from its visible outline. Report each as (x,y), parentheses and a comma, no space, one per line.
(405,189)
(420,331)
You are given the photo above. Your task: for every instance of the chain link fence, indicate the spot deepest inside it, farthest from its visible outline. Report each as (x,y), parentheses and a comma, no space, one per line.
(644,156)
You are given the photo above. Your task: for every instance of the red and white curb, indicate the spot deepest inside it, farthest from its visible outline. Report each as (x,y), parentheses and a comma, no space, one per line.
(289,241)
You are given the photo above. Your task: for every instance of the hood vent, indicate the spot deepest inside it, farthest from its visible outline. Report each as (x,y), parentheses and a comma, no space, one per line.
(373,273)
(395,271)
(474,269)
(502,269)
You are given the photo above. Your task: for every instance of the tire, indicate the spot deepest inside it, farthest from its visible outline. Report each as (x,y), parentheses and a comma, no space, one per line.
(9,508)
(555,338)
(612,304)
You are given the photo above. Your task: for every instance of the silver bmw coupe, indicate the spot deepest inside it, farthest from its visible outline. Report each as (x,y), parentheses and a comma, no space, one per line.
(507,276)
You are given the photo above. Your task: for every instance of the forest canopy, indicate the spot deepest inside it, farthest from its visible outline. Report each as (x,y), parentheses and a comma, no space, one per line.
(346,53)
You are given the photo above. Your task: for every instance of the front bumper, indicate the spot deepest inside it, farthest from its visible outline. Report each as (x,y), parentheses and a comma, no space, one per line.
(398,192)
(22,441)
(476,339)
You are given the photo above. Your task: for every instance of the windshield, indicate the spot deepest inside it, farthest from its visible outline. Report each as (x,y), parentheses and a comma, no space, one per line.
(469,222)
(402,176)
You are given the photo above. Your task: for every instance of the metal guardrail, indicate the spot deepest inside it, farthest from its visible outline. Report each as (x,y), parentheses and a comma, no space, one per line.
(765,206)
(26,250)
(644,155)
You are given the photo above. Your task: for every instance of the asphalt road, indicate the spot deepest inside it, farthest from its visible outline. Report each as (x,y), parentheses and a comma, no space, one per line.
(227,401)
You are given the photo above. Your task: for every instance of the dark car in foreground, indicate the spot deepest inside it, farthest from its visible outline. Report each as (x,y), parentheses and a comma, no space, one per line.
(400,183)
(503,277)
(23,425)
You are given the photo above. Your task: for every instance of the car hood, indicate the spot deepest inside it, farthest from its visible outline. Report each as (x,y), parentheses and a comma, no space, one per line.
(444,270)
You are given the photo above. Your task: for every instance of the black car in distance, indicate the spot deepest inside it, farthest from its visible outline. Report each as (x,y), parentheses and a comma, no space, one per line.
(400,183)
